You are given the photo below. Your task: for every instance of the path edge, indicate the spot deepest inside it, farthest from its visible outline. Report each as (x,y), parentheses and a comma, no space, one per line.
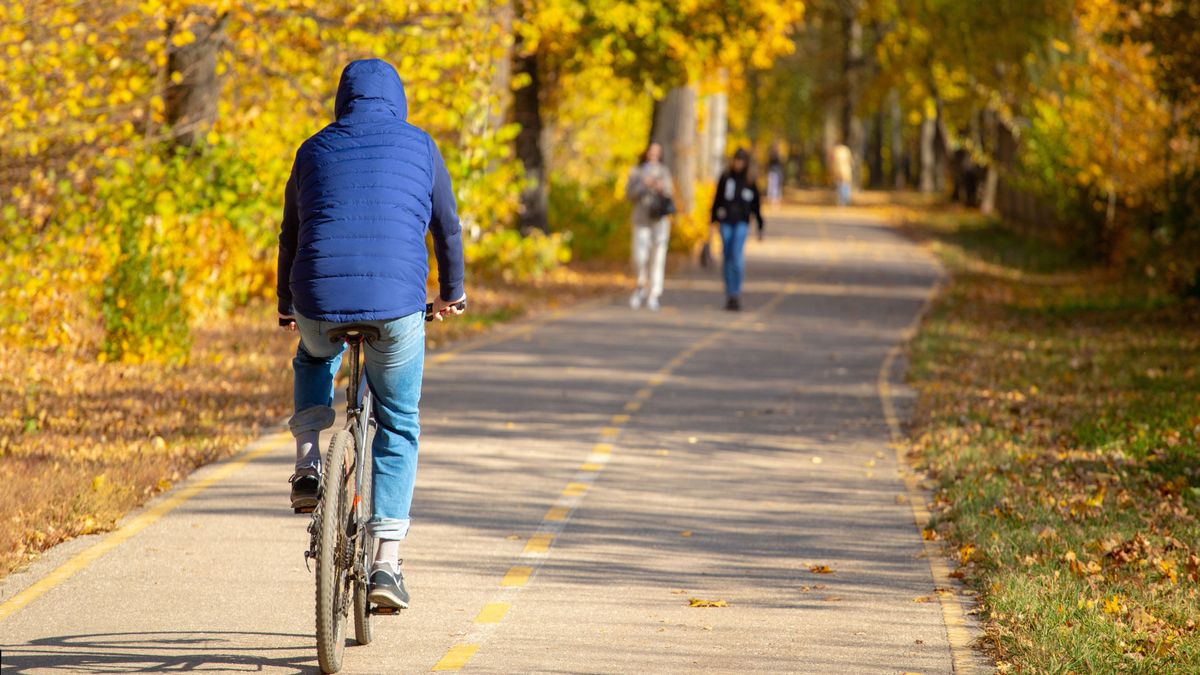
(962,632)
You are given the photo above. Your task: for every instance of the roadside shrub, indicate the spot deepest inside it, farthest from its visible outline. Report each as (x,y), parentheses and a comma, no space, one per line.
(597,218)
(513,257)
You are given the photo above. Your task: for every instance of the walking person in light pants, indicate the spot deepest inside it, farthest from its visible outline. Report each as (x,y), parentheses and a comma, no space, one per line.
(649,187)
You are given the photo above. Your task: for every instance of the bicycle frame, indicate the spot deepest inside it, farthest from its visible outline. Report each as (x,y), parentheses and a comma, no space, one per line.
(360,422)
(359,418)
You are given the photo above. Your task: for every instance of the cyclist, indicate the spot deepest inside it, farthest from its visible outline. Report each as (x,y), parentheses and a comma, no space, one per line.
(362,194)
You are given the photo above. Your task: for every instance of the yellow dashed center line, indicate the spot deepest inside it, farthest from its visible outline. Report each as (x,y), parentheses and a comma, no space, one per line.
(456,658)
(539,543)
(492,612)
(575,489)
(516,576)
(556,513)
(537,548)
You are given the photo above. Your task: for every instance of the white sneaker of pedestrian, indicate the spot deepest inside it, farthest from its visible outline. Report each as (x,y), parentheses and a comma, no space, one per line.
(652,304)
(635,300)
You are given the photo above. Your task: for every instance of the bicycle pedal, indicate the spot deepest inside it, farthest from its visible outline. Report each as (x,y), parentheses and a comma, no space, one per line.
(385,611)
(306,509)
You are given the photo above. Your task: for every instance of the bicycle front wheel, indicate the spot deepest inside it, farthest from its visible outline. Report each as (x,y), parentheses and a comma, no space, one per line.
(334,558)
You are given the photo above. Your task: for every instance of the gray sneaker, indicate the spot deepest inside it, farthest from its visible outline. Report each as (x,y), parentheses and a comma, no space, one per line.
(387,587)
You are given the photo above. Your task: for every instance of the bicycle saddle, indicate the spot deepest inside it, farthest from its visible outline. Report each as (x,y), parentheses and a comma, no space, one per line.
(366,330)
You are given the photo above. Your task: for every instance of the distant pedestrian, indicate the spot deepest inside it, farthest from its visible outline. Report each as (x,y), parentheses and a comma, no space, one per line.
(774,178)
(842,166)
(735,201)
(650,189)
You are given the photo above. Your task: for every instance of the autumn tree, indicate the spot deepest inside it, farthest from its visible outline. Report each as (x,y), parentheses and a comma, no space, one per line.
(648,45)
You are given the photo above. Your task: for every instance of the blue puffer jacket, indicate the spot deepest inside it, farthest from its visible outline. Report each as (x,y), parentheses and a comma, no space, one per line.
(362,194)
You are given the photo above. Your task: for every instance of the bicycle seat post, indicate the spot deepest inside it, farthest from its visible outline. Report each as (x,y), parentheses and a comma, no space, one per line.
(354,342)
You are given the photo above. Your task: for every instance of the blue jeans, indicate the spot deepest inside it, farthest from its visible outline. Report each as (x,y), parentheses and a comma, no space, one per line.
(394,364)
(733,256)
(843,193)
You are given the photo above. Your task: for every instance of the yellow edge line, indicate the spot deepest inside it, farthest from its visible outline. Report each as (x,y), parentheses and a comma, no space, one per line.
(139,522)
(957,634)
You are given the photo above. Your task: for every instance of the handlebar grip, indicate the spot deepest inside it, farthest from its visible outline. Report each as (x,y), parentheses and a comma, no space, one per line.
(460,306)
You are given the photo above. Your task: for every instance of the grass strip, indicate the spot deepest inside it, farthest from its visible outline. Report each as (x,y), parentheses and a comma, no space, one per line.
(1058,414)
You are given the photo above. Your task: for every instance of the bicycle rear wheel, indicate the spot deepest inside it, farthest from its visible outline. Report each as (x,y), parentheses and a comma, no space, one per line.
(366,552)
(334,560)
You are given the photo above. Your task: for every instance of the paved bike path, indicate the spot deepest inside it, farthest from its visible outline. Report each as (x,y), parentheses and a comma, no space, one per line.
(580,481)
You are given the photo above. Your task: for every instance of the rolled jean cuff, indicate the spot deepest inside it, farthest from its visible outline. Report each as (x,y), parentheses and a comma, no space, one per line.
(388,528)
(313,418)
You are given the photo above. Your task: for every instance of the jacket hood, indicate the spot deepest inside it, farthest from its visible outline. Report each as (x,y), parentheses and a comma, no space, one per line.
(370,85)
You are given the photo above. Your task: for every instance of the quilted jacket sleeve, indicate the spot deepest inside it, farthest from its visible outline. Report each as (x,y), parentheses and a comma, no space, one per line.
(446,230)
(288,230)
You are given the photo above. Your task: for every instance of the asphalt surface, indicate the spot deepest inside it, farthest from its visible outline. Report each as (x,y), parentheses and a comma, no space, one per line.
(581,480)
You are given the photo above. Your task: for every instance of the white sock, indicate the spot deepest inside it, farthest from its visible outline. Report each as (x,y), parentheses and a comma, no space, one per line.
(388,552)
(308,448)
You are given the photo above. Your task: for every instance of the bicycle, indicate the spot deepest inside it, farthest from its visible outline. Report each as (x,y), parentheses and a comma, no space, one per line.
(339,540)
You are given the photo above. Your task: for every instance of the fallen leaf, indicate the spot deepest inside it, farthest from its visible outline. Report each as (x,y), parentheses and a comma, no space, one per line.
(816,460)
(820,569)
(685,533)
(1113,605)
(965,553)
(697,602)
(923,598)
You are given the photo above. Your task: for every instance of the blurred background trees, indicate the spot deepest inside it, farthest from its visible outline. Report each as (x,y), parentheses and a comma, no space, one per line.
(143,143)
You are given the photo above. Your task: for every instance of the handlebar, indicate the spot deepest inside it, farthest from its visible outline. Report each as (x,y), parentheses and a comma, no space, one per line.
(460,306)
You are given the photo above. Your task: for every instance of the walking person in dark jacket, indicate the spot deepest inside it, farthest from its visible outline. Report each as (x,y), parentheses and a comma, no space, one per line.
(362,194)
(735,202)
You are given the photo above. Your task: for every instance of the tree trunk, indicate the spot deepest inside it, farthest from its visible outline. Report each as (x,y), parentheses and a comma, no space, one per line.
(875,156)
(899,178)
(674,128)
(852,62)
(712,146)
(941,150)
(192,86)
(830,136)
(528,114)
(502,70)
(991,178)
(928,161)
